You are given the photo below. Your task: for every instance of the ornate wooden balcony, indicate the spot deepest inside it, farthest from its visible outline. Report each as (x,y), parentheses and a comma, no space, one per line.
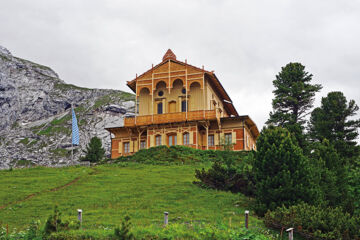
(170,118)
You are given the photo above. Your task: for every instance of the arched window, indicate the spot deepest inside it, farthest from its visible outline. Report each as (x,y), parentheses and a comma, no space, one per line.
(172,140)
(160,108)
(183,105)
(186,139)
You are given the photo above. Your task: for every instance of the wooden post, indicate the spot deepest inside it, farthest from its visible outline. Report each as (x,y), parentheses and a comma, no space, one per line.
(152,93)
(80,216)
(207,137)
(186,91)
(291,233)
(166,219)
(203,78)
(246,219)
(7,229)
(136,99)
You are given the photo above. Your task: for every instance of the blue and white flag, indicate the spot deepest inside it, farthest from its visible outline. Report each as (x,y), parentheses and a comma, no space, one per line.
(75,129)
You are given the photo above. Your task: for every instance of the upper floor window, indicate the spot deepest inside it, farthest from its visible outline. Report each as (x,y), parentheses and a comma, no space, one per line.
(161,93)
(183,105)
(211,141)
(228,138)
(158,140)
(159,108)
(186,139)
(183,91)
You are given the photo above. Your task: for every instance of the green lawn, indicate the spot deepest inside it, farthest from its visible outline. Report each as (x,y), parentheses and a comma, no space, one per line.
(106,193)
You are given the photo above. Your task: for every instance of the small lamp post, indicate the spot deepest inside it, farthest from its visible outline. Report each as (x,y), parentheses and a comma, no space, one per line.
(247,219)
(80,216)
(166,219)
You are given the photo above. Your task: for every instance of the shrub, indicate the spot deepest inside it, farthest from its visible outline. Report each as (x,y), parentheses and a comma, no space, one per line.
(231,175)
(54,223)
(94,151)
(315,222)
(123,233)
(179,155)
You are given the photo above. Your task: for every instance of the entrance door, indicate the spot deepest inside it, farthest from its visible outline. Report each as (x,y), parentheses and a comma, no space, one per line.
(172,140)
(172,106)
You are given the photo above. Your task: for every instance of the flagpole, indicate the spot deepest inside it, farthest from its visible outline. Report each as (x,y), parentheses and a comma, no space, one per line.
(72,146)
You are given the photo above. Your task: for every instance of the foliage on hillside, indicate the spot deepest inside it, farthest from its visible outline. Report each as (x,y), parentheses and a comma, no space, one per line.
(180,155)
(283,175)
(320,168)
(192,231)
(229,174)
(316,222)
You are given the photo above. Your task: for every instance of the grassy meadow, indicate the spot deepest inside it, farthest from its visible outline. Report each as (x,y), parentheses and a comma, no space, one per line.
(106,193)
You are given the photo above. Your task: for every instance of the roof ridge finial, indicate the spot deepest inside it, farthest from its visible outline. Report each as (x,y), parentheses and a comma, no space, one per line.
(169,55)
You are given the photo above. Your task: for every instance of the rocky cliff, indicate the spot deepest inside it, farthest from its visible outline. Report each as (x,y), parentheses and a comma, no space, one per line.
(35,120)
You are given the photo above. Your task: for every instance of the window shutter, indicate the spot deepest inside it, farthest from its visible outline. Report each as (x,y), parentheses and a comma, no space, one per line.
(131,146)
(179,138)
(233,137)
(136,146)
(120,147)
(191,138)
(163,139)
(216,139)
(152,140)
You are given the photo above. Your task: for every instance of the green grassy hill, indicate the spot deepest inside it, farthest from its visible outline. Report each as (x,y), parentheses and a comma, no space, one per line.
(142,186)
(106,193)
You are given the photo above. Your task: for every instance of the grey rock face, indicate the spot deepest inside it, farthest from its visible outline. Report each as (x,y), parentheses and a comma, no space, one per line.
(35,120)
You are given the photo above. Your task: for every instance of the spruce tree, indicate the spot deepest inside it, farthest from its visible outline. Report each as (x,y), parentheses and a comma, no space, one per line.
(283,175)
(332,121)
(294,96)
(94,150)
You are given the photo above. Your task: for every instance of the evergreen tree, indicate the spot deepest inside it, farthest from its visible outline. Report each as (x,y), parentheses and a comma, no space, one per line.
(94,150)
(283,175)
(331,170)
(331,121)
(294,96)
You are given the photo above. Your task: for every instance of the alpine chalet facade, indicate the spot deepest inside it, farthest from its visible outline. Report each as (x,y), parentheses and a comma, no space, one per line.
(180,104)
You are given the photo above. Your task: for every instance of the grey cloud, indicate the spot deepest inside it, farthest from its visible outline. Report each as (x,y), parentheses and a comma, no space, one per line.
(103,44)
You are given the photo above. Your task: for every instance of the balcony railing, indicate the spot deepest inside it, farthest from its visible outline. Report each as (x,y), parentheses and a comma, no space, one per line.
(170,118)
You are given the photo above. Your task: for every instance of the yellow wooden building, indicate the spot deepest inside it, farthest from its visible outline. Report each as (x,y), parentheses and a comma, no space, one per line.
(180,104)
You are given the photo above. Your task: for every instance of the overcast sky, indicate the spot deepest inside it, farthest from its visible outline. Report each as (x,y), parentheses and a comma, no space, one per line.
(103,44)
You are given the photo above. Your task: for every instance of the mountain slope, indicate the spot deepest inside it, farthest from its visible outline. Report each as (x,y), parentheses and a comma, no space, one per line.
(35,120)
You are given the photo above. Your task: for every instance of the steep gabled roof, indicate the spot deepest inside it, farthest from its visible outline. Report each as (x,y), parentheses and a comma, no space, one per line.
(210,76)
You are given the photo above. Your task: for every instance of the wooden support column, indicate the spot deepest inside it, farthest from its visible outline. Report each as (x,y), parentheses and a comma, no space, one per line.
(152,93)
(139,140)
(136,98)
(186,91)
(207,137)
(203,78)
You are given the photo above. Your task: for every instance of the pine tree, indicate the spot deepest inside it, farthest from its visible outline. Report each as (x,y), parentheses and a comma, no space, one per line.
(283,175)
(331,121)
(331,170)
(94,151)
(294,96)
